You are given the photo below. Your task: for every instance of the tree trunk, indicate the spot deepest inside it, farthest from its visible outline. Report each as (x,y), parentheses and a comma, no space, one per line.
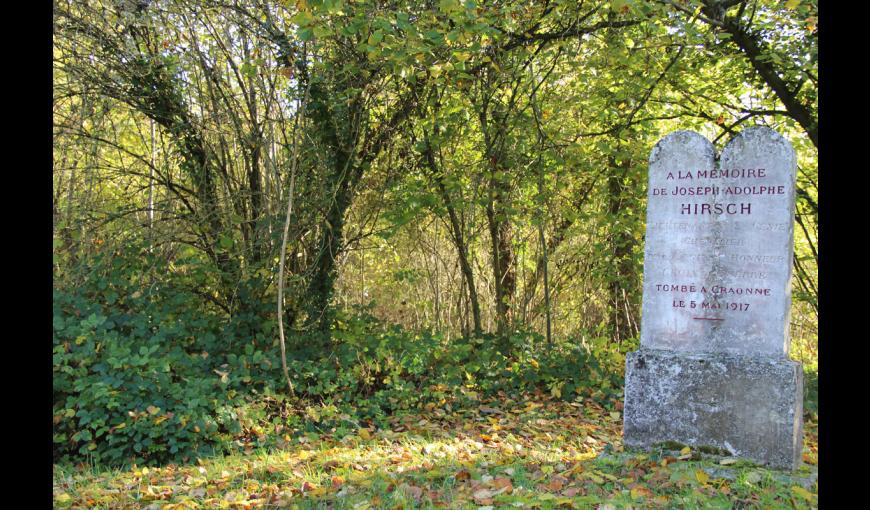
(622,278)
(457,236)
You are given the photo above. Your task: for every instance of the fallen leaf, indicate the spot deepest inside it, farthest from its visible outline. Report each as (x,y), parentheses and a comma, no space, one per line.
(572,491)
(640,492)
(503,483)
(595,478)
(556,483)
(414,491)
(483,496)
(800,491)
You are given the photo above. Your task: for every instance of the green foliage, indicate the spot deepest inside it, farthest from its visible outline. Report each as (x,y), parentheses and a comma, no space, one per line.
(143,376)
(141,371)
(375,371)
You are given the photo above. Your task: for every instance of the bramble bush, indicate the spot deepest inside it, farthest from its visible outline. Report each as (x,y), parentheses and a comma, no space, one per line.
(374,371)
(141,370)
(145,373)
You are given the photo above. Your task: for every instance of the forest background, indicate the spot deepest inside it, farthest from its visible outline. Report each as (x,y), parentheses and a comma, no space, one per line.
(448,196)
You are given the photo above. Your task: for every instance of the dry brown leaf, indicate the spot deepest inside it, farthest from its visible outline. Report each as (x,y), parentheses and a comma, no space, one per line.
(414,491)
(503,483)
(556,483)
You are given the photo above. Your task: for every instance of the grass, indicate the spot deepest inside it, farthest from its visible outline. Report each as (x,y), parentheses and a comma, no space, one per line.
(529,452)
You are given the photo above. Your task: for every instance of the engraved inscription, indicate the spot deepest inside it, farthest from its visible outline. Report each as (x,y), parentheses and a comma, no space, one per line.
(719,244)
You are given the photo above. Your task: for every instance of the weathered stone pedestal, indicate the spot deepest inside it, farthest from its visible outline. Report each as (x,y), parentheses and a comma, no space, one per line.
(748,406)
(713,367)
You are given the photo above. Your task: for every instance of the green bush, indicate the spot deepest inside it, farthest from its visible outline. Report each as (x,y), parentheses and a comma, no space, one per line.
(374,370)
(142,373)
(145,373)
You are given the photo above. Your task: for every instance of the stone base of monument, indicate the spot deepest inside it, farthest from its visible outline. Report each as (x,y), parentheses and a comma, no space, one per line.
(750,407)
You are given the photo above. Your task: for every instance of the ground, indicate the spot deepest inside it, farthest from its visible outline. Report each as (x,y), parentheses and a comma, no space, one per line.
(526,452)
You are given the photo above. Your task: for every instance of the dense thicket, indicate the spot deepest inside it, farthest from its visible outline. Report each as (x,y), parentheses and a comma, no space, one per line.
(467,183)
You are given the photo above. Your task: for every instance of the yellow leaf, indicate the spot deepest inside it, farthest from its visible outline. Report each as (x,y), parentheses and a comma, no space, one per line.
(62,497)
(702,476)
(792,4)
(595,478)
(364,433)
(800,491)
(685,453)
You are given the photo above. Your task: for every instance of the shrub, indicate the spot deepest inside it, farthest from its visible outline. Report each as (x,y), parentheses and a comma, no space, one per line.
(145,373)
(141,372)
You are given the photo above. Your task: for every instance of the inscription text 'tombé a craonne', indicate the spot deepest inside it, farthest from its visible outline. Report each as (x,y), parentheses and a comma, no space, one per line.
(717,188)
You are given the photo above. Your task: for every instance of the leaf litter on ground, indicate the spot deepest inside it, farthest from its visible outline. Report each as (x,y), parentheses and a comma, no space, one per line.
(529,451)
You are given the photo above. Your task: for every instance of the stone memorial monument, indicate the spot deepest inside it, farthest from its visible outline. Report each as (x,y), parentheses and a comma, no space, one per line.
(713,368)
